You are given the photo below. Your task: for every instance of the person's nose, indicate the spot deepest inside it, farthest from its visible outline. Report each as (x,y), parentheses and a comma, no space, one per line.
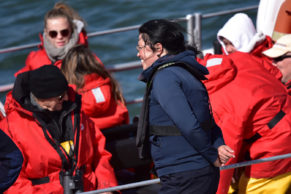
(59,35)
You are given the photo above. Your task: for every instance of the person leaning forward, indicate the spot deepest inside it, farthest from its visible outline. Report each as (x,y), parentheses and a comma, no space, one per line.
(280,53)
(59,143)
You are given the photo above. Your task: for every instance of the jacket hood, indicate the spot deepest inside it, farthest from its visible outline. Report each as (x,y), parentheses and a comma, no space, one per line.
(241,32)
(187,58)
(92,81)
(21,91)
(221,71)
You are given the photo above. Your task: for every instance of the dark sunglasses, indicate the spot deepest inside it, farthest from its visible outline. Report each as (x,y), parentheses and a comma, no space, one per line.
(64,33)
(277,59)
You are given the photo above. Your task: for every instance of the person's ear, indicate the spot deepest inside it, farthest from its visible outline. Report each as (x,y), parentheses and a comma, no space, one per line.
(159,49)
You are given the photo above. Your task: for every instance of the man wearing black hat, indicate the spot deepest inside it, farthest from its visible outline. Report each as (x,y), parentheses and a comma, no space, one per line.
(62,149)
(48,88)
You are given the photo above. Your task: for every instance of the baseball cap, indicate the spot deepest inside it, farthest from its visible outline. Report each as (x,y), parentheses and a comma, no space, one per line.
(281,47)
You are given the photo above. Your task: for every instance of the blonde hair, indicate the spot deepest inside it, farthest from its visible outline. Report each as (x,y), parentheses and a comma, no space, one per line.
(61,9)
(79,62)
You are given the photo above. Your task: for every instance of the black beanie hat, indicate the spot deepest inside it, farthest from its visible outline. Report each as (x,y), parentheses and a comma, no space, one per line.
(47,81)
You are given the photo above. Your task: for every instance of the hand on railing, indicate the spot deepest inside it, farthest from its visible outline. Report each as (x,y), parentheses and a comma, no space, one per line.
(225,153)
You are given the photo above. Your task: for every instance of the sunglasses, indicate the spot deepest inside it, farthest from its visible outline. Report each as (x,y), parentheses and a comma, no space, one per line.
(277,59)
(54,34)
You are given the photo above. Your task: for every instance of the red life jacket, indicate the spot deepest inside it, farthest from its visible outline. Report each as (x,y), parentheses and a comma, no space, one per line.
(99,104)
(245,97)
(42,160)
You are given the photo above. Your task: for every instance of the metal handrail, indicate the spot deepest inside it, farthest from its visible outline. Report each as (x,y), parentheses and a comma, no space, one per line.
(209,15)
(194,36)
(129,28)
(156,181)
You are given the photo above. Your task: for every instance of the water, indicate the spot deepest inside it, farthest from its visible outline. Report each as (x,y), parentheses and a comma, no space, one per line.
(22,20)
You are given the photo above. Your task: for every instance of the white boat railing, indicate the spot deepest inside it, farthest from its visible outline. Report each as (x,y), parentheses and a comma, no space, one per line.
(194,36)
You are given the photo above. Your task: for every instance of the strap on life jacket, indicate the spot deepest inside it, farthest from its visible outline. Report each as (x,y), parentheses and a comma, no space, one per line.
(62,153)
(276,119)
(174,131)
(164,130)
(77,130)
(143,129)
(40,181)
(271,124)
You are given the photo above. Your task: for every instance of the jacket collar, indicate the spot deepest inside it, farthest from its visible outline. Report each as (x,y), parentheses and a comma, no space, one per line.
(187,57)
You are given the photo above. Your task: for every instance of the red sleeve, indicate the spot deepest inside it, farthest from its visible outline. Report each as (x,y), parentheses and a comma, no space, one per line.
(22,183)
(103,169)
(233,135)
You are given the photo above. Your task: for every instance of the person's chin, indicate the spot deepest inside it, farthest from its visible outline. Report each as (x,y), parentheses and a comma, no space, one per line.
(143,64)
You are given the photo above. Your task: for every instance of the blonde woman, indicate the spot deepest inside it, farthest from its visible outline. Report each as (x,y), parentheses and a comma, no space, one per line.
(63,29)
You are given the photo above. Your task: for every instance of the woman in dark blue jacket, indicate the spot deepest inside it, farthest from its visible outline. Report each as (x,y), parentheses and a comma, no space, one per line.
(10,162)
(176,126)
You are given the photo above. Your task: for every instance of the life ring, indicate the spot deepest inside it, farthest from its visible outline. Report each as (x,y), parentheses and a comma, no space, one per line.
(2,111)
(267,15)
(283,21)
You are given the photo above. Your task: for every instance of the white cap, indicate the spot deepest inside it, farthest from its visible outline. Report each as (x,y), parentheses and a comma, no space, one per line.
(281,47)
